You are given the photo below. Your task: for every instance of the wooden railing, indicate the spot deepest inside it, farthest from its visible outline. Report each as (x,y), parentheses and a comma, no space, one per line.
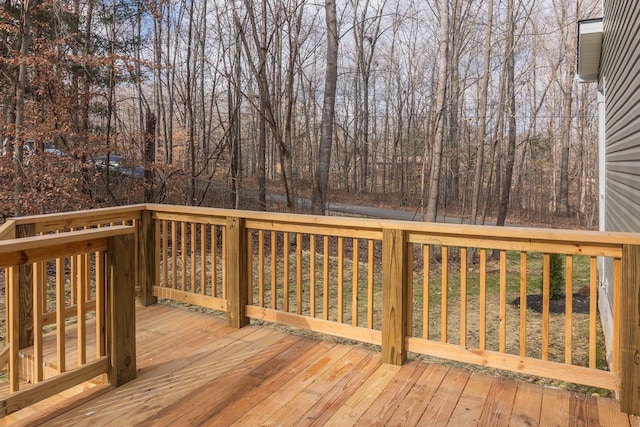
(69,302)
(440,290)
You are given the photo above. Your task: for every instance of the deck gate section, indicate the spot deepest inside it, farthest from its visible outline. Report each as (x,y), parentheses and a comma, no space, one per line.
(57,285)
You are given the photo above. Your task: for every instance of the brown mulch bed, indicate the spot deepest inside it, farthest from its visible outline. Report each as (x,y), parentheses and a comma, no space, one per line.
(580,304)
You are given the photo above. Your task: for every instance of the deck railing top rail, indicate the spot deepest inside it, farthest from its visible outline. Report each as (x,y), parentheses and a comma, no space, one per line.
(512,233)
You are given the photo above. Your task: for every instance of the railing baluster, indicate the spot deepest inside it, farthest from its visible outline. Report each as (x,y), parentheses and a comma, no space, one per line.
(463,296)
(426,255)
(482,345)
(60,314)
(156,238)
(299,273)
(312,275)
(503,302)
(274,270)
(42,277)
(203,259)
(183,255)
(354,283)
(214,261)
(340,279)
(370,283)
(325,278)
(80,309)
(192,254)
(410,289)
(13,330)
(100,304)
(444,295)
(74,280)
(165,253)
(261,267)
(174,255)
(250,266)
(38,302)
(546,283)
(568,320)
(523,304)
(617,313)
(223,267)
(285,273)
(593,308)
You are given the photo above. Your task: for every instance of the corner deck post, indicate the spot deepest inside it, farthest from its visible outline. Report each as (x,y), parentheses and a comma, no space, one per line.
(237,272)
(394,296)
(147,258)
(25,292)
(630,331)
(121,319)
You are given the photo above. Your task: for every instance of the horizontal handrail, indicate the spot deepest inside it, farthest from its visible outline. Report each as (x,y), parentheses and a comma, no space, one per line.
(67,220)
(39,248)
(279,221)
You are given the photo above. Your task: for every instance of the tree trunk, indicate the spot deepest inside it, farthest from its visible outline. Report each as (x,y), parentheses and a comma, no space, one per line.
(328,111)
(482,112)
(18,153)
(511,112)
(436,158)
(149,156)
(563,196)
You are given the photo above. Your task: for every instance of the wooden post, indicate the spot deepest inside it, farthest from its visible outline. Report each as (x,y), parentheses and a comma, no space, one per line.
(237,272)
(630,331)
(146,258)
(25,292)
(121,319)
(394,296)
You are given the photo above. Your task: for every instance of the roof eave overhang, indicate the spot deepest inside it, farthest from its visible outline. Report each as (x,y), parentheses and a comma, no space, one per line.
(589,49)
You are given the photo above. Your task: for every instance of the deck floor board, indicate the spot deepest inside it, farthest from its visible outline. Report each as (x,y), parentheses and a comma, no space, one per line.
(194,370)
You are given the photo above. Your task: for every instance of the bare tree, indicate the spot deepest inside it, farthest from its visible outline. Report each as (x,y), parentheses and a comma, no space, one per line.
(328,111)
(482,115)
(436,156)
(511,114)
(25,41)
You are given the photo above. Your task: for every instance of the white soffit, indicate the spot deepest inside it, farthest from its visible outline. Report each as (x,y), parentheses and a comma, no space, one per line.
(589,49)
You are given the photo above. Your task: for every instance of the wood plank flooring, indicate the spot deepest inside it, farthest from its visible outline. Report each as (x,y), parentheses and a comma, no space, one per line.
(193,370)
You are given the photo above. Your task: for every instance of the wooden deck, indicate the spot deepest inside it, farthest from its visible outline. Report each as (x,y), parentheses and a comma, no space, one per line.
(194,370)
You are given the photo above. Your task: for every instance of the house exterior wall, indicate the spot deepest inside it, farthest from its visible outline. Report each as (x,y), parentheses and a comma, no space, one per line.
(619,81)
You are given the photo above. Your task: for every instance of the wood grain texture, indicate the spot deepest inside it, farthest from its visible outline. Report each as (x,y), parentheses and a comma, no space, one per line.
(237,282)
(629,331)
(147,275)
(25,291)
(121,327)
(394,296)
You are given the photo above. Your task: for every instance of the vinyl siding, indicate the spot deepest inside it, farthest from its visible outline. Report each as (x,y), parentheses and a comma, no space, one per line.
(620,78)
(620,72)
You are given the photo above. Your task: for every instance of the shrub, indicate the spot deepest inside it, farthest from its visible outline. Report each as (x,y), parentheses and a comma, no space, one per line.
(556,276)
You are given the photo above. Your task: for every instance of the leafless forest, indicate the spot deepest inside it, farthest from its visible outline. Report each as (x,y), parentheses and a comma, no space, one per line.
(467,107)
